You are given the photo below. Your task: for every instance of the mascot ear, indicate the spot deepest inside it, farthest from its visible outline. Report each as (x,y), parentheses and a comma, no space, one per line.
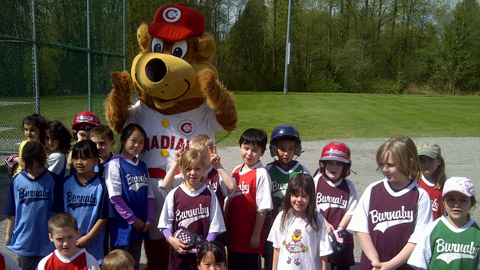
(143,37)
(206,48)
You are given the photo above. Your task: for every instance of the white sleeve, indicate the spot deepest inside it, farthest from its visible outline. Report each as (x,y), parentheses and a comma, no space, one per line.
(10,264)
(353,199)
(166,217)
(325,247)
(92,262)
(422,253)
(359,221)
(152,185)
(217,225)
(56,162)
(41,264)
(263,195)
(113,179)
(275,236)
(305,170)
(424,215)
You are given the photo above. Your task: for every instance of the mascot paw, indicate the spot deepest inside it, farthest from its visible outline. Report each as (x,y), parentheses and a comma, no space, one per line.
(122,83)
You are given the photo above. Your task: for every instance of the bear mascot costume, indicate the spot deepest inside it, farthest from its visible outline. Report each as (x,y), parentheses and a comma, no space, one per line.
(179,95)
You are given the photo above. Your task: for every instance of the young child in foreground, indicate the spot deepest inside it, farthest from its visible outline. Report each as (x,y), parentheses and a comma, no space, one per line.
(336,199)
(299,235)
(118,259)
(130,192)
(452,241)
(285,144)
(433,178)
(248,206)
(63,232)
(85,196)
(392,211)
(29,205)
(192,206)
(211,255)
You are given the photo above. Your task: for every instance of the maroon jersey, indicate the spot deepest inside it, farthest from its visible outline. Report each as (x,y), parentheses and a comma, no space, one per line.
(213,182)
(391,222)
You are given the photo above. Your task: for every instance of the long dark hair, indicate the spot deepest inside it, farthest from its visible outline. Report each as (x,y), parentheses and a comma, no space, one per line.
(56,130)
(127,132)
(300,183)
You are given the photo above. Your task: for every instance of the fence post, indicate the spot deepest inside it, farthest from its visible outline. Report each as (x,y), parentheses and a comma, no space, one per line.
(36,92)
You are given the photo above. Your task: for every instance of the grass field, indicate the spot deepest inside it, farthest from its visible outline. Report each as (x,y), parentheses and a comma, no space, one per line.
(315,115)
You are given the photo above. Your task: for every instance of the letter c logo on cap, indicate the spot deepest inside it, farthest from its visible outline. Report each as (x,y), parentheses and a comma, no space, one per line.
(172,14)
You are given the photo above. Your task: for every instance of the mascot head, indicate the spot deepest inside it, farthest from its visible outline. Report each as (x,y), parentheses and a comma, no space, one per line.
(174,49)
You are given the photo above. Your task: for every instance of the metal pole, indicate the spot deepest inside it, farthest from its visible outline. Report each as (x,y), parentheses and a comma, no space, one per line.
(124,36)
(36,92)
(89,56)
(287,49)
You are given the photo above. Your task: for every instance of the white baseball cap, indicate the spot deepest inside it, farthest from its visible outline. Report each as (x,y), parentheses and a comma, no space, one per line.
(459,184)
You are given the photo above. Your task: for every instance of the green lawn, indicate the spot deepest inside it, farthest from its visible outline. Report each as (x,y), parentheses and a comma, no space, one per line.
(315,115)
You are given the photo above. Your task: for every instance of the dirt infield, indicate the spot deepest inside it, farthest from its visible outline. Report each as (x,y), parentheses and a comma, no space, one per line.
(461,156)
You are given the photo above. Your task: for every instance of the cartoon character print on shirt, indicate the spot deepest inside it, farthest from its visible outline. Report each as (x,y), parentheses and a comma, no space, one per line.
(295,247)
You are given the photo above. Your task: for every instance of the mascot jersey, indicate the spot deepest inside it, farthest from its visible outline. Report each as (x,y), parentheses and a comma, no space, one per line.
(300,246)
(446,247)
(81,260)
(166,134)
(88,203)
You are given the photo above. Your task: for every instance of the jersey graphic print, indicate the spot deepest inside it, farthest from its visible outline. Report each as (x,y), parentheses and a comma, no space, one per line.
(388,219)
(295,247)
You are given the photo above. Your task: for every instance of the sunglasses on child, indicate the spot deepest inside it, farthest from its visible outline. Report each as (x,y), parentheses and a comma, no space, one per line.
(84,128)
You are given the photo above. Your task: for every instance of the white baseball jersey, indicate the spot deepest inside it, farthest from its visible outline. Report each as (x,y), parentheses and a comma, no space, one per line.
(167,133)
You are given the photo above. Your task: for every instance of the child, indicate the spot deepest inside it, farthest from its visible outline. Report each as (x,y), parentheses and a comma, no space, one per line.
(393,210)
(285,144)
(118,260)
(452,241)
(299,235)
(336,199)
(63,232)
(191,206)
(29,205)
(57,142)
(212,255)
(432,166)
(247,207)
(103,137)
(81,127)
(130,192)
(34,130)
(86,198)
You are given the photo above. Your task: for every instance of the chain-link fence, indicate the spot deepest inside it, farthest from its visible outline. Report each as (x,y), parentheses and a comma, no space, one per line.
(55,59)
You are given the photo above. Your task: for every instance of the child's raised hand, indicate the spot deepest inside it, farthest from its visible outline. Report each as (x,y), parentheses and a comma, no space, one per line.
(214,158)
(82,135)
(178,245)
(179,154)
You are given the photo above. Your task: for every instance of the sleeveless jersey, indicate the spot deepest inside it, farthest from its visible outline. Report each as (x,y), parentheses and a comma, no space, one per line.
(31,201)
(435,197)
(252,194)
(88,203)
(134,179)
(79,261)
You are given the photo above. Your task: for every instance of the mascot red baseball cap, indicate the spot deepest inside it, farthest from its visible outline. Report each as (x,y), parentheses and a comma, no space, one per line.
(177,22)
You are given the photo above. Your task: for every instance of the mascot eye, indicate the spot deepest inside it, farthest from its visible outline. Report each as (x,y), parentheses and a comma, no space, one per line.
(157,45)
(180,49)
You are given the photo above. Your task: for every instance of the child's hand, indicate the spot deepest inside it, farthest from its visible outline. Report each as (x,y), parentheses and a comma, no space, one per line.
(147,227)
(179,154)
(82,135)
(214,158)
(329,226)
(254,241)
(139,225)
(7,239)
(83,242)
(178,245)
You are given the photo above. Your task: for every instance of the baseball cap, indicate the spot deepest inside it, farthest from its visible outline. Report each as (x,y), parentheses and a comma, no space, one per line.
(429,149)
(459,184)
(177,22)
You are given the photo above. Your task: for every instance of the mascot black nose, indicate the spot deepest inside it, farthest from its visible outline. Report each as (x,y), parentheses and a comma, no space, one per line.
(155,70)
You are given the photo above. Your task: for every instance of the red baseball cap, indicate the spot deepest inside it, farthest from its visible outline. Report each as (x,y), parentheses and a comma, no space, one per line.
(177,22)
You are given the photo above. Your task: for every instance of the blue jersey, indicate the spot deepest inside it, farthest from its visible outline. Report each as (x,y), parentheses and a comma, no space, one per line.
(31,201)
(88,203)
(128,179)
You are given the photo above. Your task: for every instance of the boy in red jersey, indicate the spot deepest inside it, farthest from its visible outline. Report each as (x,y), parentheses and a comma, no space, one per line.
(247,207)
